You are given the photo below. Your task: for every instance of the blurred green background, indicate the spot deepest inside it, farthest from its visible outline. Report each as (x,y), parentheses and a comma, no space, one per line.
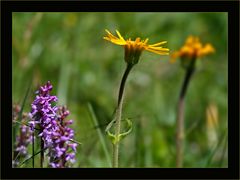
(68,49)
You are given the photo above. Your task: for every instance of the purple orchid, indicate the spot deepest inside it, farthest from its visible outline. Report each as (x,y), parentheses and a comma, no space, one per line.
(54,130)
(63,149)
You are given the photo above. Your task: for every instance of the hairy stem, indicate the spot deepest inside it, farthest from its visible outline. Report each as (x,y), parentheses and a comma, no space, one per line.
(180,116)
(119,115)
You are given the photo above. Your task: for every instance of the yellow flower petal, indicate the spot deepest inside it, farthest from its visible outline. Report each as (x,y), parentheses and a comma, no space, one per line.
(133,49)
(158,44)
(119,35)
(158,51)
(146,40)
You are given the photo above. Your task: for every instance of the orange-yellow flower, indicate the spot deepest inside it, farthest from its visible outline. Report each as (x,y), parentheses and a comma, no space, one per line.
(133,49)
(192,48)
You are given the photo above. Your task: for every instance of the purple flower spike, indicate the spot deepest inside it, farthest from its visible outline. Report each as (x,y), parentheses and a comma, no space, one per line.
(54,130)
(43,113)
(63,150)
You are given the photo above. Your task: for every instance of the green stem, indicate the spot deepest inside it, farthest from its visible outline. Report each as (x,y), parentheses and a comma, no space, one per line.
(42,153)
(119,115)
(33,148)
(180,115)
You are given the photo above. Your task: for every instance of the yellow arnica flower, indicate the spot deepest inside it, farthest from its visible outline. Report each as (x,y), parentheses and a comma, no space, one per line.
(133,49)
(192,48)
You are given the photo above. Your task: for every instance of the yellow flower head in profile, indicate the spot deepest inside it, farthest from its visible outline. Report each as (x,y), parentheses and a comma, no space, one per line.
(133,49)
(192,48)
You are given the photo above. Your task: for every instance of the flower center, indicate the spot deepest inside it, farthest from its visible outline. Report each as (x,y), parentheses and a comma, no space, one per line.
(133,50)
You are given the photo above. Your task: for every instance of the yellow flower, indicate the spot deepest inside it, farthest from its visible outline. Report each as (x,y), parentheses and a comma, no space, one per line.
(192,48)
(133,49)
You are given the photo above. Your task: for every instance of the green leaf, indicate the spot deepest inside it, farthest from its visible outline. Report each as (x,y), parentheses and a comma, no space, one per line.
(129,125)
(114,138)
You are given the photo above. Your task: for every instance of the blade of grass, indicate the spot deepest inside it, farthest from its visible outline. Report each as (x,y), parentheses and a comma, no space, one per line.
(100,135)
(22,123)
(192,127)
(32,156)
(209,160)
(73,140)
(20,113)
(223,152)
(17,156)
(23,103)
(16,127)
